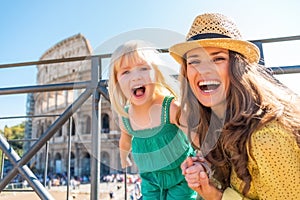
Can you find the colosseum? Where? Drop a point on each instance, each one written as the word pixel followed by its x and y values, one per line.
pixel 51 104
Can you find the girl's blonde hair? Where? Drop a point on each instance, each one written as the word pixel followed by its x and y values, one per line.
pixel 135 51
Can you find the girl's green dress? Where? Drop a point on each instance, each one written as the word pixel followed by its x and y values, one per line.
pixel 158 153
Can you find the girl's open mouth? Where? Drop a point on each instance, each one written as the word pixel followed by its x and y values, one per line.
pixel 139 91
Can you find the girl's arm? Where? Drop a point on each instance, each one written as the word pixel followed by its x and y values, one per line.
pixel 125 147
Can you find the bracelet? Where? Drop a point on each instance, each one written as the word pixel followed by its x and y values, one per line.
pixel 209 171
pixel 207 168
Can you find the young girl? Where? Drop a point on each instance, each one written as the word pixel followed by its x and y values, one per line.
pixel 145 103
pixel 253 118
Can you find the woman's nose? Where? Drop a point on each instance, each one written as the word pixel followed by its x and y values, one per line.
pixel 205 66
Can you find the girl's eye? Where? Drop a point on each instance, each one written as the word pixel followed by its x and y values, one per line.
pixel 125 72
pixel 144 68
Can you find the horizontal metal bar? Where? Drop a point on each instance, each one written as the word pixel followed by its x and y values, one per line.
pixel 29 116
pixel 59 60
pixel 16 190
pixel 280 39
pixel 44 88
pixel 52 61
pixel 22 140
pixel 41 62
pixel 286 69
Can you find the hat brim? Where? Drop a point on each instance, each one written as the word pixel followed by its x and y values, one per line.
pixel 249 50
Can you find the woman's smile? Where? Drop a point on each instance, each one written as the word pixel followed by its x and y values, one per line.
pixel 209 86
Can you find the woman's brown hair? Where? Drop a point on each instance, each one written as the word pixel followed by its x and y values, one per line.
pixel 255 97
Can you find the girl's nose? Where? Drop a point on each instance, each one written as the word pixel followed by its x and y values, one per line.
pixel 135 75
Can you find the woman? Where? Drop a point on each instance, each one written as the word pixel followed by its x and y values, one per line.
pixel 245 123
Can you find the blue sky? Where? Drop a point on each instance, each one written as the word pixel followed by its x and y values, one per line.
pixel 31 27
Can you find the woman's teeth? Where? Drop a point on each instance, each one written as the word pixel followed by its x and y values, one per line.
pixel 209 86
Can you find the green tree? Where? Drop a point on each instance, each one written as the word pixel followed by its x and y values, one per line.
pixel 14 133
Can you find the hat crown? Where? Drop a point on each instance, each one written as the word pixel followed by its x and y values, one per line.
pixel 215 30
pixel 214 23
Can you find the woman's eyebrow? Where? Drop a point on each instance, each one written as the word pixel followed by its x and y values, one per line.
pixel 193 56
pixel 211 54
pixel 218 52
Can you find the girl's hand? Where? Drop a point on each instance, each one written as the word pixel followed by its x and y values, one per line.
pixel 198 180
pixel 191 168
pixel 126 163
pixel 189 162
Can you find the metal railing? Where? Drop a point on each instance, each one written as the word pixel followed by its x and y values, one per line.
pixel 96 88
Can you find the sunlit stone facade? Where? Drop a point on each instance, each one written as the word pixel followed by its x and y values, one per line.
pixel 49 105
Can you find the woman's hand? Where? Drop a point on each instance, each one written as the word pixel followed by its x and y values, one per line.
pixel 198 180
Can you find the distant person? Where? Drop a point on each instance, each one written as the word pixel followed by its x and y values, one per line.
pixel 146 105
pixel 25 183
pixel 246 123
pixel 111 195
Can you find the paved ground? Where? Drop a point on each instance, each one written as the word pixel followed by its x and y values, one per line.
pixel 83 193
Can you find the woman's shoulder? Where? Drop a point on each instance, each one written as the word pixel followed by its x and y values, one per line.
pixel 271 128
pixel 272 134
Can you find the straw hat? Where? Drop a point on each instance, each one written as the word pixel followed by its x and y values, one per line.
pixel 215 30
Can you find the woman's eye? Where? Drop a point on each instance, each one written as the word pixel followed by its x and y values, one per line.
pixel 194 62
pixel 218 59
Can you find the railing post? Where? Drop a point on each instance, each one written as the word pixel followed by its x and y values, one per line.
pixel 46 164
pixel 2 166
pixel 69 156
pixel 95 157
